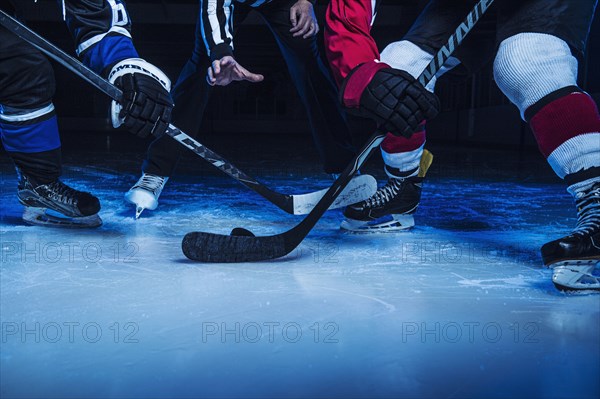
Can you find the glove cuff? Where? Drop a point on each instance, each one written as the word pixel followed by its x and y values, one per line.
pixel 131 66
pixel 357 81
pixel 138 65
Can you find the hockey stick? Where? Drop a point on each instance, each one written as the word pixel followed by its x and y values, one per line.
pixel 361 188
pixel 243 246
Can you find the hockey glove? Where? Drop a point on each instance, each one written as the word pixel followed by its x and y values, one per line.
pixel 147 104
pixel 391 97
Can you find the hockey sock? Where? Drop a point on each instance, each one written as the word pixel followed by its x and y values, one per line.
pixel 567 130
pixel 399 153
pixel 39 167
pixel 530 66
pixel 538 73
pixel 31 139
pixel 403 154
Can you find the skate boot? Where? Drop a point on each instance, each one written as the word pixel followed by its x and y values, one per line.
pixel 56 204
pixel 392 207
pixel 573 258
pixel 144 194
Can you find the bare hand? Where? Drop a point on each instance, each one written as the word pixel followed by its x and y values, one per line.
pixel 227 70
pixel 303 19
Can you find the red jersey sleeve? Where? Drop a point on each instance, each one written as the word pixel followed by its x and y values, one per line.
pixel 348 40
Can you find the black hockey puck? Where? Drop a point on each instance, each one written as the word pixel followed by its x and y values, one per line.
pixel 239 231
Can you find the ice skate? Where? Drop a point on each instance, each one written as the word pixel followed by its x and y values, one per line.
pixel 144 194
pixel 56 204
pixel 392 207
pixel 575 258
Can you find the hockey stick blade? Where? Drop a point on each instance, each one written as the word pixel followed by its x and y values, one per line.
pixel 359 189
pixel 207 247
pixel 286 202
pixel 219 248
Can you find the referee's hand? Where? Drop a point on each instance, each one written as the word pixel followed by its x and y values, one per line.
pixel 303 19
pixel 227 70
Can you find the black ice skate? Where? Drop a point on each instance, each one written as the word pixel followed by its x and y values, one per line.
pixel 575 257
pixel 56 204
pixel 392 207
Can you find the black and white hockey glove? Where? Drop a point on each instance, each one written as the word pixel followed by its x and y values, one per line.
pixel 147 104
pixel 391 97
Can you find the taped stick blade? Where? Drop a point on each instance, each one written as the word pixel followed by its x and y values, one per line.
pixel 218 248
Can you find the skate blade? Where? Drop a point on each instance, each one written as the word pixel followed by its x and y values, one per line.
pixel 41 217
pixel 385 224
pixel 141 199
pixel 576 276
pixel 138 212
pixel 574 262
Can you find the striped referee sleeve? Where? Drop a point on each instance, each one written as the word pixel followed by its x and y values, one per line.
pixel 216 23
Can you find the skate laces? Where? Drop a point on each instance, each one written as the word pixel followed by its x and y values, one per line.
pixel 60 192
pixel 588 208
pixel 152 183
pixel 385 193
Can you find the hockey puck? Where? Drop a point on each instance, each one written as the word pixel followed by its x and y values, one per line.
pixel 239 231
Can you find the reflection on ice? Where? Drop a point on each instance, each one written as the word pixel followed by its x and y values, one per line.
pixel 457 307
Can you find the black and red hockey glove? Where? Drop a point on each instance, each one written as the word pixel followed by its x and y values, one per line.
pixel 391 97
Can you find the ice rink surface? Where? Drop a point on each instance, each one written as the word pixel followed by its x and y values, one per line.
pixel 457 307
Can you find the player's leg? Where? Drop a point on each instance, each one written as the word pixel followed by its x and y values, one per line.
pixel 536 68
pixel 315 86
pixel 406 162
pixel 191 94
pixel 30 137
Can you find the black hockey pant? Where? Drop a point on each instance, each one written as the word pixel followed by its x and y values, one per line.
pixel 28 126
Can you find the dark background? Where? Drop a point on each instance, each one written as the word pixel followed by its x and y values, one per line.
pixel 475 113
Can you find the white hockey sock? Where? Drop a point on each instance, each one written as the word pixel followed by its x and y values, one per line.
pixel 404 161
